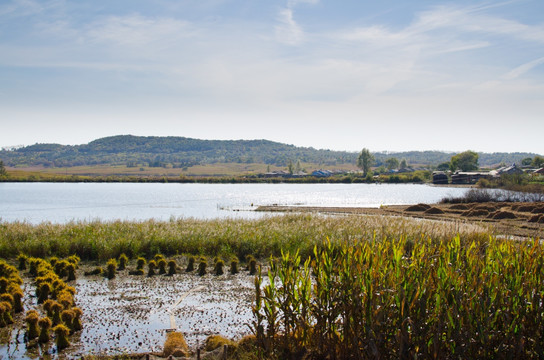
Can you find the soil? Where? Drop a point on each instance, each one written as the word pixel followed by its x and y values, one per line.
pixel 510 219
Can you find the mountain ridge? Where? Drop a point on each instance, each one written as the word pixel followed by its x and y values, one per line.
pixel 177 151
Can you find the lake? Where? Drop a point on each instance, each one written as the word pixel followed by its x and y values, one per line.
pixel 64 202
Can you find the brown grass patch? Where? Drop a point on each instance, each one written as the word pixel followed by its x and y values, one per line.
pixel 215 341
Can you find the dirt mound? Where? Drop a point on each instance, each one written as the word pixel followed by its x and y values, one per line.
pixel 459 207
pixel 487 207
pixel 525 208
pixel 470 213
pixel 538 210
pixel 418 207
pixel 498 215
pixel 434 210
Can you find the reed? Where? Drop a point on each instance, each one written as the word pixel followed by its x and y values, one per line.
pixel 393 298
pixel 225 237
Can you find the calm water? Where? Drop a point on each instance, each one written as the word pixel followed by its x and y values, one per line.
pixel 63 202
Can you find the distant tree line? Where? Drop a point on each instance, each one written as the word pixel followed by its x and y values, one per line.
pixel 181 152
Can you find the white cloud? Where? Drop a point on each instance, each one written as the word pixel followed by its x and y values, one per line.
pixel 137 30
pixel 288 31
pixel 522 69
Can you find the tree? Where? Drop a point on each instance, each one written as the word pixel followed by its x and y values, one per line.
pixel 526 162
pixel 403 164
pixel 3 171
pixel 392 163
pixel 465 161
pixel 538 161
pixel 365 160
pixel 443 166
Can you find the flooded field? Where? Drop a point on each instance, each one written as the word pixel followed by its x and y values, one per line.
pixel 131 314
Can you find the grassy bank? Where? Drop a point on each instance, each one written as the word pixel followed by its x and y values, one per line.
pixel 260 238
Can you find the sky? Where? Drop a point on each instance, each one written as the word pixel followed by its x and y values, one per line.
pixel 390 75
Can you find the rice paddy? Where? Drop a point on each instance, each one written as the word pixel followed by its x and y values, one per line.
pixel 337 287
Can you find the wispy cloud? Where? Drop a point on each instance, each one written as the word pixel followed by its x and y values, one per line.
pixel 522 69
pixel 288 31
pixel 137 30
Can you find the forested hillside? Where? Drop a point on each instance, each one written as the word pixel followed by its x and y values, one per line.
pixel 176 151
pixel 185 152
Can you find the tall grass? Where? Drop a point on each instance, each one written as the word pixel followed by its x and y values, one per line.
pixel 260 238
pixel 394 298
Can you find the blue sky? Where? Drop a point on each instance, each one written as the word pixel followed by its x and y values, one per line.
pixel 387 75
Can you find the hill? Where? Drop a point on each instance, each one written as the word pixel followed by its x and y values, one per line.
pixel 180 152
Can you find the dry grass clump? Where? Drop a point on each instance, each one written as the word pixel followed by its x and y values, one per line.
pixel 215 341
pixel 11 295
pixel 175 345
pixel 57 298
pixel 191 264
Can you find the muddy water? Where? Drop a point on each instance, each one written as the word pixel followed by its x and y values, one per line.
pixel 132 313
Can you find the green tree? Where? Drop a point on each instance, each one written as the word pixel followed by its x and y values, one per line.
pixel 465 161
pixel 443 166
pixel 538 161
pixel 403 164
pixel 290 167
pixel 3 171
pixel 526 161
pixel 365 160
pixel 392 163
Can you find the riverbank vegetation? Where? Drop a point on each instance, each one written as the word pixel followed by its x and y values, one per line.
pixel 399 299
pixel 260 238
pixel 344 287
